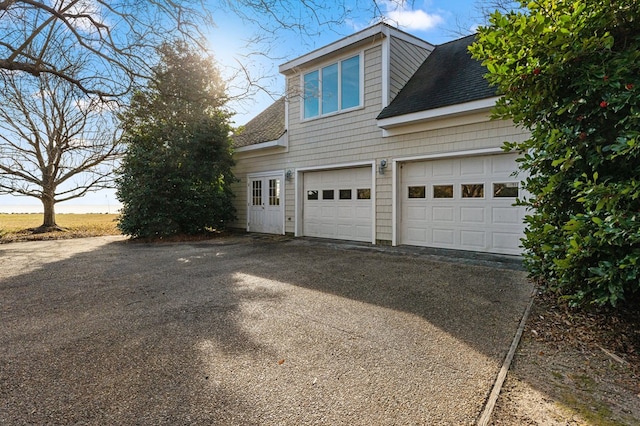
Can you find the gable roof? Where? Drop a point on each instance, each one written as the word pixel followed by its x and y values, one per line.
pixel 364 37
pixel 267 126
pixel 448 76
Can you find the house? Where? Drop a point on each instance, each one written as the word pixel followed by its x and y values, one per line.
pixel 383 138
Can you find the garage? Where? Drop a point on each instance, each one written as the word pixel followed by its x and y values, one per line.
pixel 338 204
pixel 461 203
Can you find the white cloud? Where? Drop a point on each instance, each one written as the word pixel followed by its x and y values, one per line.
pixel 405 17
pixel 84 13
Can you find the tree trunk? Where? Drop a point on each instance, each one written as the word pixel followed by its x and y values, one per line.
pixel 49 221
pixel 49 213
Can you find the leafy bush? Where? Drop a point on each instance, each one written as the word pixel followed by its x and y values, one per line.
pixel 569 72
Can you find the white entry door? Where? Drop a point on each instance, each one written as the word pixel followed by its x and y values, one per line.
pixel 265 204
pixel 462 203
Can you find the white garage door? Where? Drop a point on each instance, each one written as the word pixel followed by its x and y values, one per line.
pixel 462 203
pixel 338 204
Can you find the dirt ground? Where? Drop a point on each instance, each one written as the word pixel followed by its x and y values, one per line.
pixel 573 368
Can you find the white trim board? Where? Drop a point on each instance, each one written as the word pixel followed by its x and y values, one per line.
pixel 437 113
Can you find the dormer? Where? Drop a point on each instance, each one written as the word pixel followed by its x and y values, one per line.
pixel 331 80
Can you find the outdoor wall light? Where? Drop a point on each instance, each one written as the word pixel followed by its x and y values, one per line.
pixel 289 174
pixel 383 165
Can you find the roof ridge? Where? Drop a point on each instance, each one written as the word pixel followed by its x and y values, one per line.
pixel 457 39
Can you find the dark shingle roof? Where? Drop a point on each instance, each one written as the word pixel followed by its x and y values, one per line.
pixel 448 76
pixel 265 127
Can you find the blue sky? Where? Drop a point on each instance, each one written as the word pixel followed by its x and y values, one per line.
pixel 436 21
pixel 233 44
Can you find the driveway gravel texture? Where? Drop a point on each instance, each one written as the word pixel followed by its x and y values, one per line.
pixel 243 330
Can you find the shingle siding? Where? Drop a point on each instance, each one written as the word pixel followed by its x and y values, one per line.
pixel 404 59
pixel 355 137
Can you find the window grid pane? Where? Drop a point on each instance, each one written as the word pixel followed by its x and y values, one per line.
pixel 472 190
pixel 350 80
pixel 442 191
pixel 312 194
pixel 311 94
pixel 327 194
pixel 345 194
pixel 364 193
pixel 505 190
pixel 256 193
pixel 417 192
pixel 330 89
pixel 274 192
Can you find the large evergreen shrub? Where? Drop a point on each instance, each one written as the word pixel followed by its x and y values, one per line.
pixel 176 174
pixel 569 71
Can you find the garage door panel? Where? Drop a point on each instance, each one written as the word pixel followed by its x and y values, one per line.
pixel 506 241
pixel 419 171
pixel 472 167
pixel 506 216
pixel 443 236
pixel 416 213
pixel 364 213
pixel 443 214
pixel 472 214
pixel 502 165
pixel 345 212
pixel 327 229
pixel 418 235
pixel 312 211
pixel 440 170
pixel 327 211
pixel 345 229
pixel 344 216
pixel 363 232
pixel 472 239
pixel 489 223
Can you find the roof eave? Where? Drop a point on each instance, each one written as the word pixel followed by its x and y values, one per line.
pixel 438 113
pixel 375 32
pixel 281 142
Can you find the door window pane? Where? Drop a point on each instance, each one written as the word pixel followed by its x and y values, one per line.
pixel 330 89
pixel 417 191
pixel 274 192
pixel 472 190
pixel 505 190
pixel 327 194
pixel 311 94
pixel 350 82
pixel 345 194
pixel 256 192
pixel 312 194
pixel 364 194
pixel 442 191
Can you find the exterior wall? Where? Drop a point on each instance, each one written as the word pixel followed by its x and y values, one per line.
pixel 354 137
pixel 404 60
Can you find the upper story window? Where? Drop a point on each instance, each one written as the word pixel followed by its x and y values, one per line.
pixel 333 88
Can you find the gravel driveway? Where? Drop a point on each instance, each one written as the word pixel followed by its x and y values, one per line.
pixel 248 331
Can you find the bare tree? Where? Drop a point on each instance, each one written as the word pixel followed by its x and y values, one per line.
pixel 116 38
pixel 56 143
